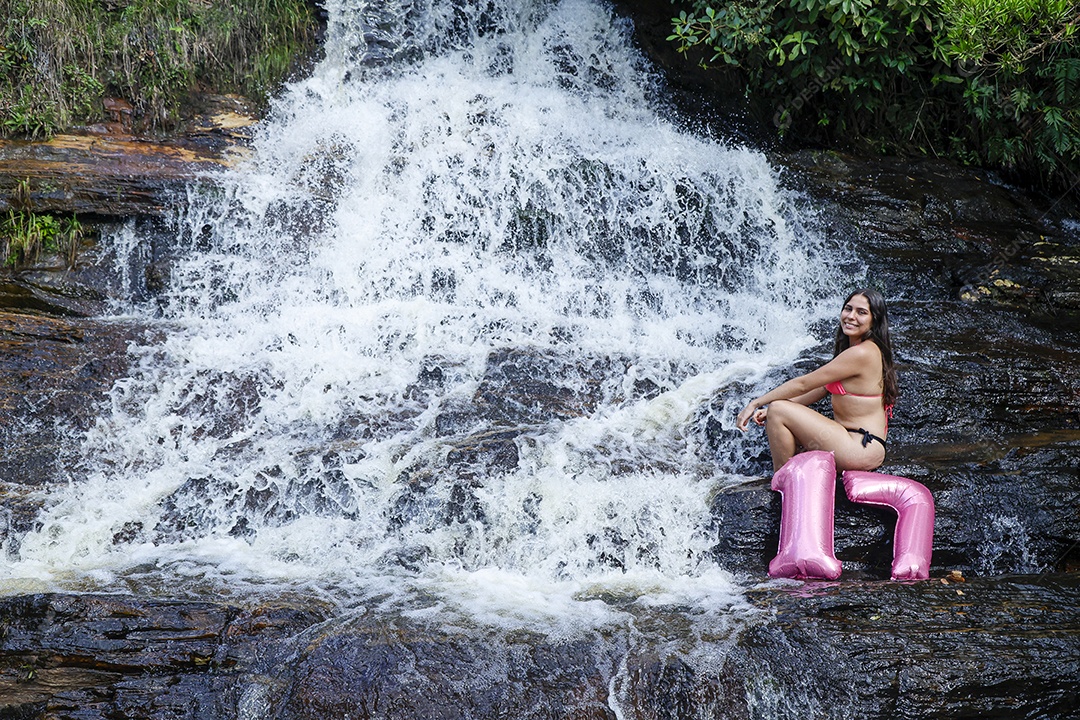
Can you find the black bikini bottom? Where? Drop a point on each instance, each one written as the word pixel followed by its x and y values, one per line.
pixel 868 437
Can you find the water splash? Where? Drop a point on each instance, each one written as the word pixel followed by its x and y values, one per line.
pixel 1007 547
pixel 446 333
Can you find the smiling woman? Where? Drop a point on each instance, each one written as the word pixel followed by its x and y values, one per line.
pixel 862 382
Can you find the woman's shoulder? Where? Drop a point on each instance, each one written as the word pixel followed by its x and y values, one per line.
pixel 865 351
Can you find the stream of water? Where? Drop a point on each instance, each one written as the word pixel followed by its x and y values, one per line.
pixel 475 228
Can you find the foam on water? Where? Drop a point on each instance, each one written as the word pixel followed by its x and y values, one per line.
pixel 453 182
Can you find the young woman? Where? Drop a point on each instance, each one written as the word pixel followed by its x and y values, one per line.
pixel 862 382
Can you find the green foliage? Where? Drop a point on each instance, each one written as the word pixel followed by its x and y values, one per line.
pixel 996 82
pixel 1021 63
pixel 28 114
pixel 1008 34
pixel 60 58
pixel 26 234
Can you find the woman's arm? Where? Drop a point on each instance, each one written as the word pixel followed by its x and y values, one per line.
pixel 847 364
pixel 811 397
pixel 805 399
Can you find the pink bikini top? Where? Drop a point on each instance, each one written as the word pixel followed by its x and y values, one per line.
pixel 837 388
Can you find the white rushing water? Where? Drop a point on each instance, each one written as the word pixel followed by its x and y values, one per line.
pixel 450 333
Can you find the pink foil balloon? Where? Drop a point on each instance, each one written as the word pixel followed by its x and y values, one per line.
pixel 914 538
pixel 807 484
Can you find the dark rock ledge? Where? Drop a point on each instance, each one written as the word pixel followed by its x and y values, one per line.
pixel 83 656
pixel 119 175
pixel 1004 647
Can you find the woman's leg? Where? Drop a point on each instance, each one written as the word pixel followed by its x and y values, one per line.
pixel 791 425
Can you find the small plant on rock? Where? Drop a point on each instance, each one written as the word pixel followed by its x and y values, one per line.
pixel 26 234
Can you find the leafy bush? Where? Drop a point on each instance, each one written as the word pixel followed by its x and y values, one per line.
pixel 24 234
pixel 993 82
pixel 60 58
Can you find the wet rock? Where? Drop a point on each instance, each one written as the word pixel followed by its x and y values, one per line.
pixel 444 492
pixel 746 525
pixel 118 636
pixel 54 373
pixel 103 176
pixel 825 650
pixel 529 387
pixel 874 650
pixel 49 296
pixel 522 387
pixel 98 656
pixel 922 665
pixel 107 173
pixel 120 112
pixel 483 453
pixel 952 233
pixel 391 667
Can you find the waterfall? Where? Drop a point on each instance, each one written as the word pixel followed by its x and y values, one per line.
pixel 446 337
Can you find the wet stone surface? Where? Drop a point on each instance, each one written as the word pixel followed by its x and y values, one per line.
pixel 55 373
pixel 922 650
pixel 948 233
pixel 985 647
pixel 113 174
pixel 82 656
pixel 391 667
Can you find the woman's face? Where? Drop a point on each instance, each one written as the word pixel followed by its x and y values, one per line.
pixel 855 317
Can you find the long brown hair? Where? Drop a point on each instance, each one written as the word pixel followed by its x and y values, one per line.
pixel 879 333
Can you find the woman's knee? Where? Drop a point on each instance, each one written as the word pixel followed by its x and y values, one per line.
pixel 780 411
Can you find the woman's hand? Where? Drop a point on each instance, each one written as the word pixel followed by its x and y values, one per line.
pixel 751 412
